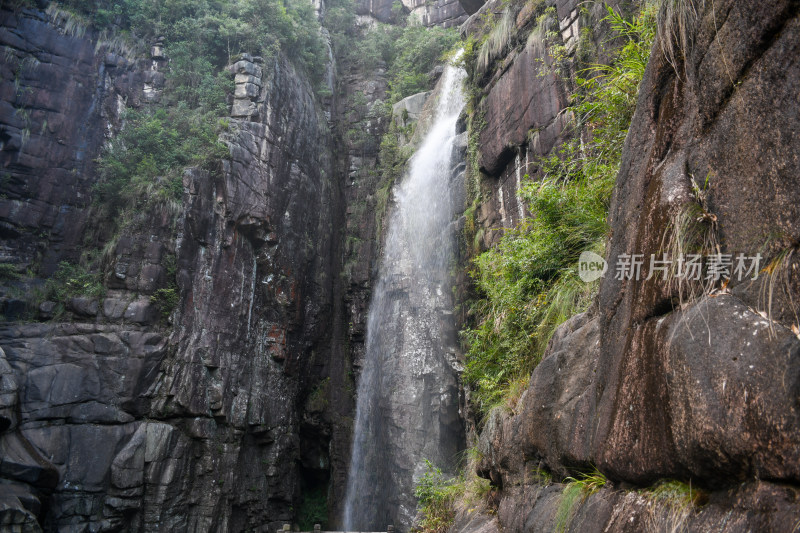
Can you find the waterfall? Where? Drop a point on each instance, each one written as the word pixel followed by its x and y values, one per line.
pixel 408 396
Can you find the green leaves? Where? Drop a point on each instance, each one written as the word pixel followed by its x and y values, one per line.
pixel 215 31
pixel 145 162
pixel 436 494
pixel 408 52
pixel 72 280
pixel 417 49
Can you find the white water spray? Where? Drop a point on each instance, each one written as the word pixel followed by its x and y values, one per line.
pixel 407 405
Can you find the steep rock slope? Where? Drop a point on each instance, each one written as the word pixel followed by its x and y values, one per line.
pixel 653 382
pixel 111 421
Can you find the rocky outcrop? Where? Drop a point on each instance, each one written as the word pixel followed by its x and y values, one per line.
pixel 755 506
pixel 253 263
pixel 654 382
pixel 444 13
pixel 690 124
pixel 524 115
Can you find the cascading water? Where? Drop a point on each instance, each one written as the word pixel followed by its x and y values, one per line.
pixel 408 395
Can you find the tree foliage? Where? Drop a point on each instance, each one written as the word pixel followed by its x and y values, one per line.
pixel 144 163
pixel 217 30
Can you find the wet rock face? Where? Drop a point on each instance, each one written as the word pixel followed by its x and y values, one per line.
pixel 409 396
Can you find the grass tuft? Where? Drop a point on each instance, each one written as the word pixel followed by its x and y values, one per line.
pixel 497 43
pixel 778 272
pixel 671 503
pixel 575 492
pixel 676 21
pixel 68 23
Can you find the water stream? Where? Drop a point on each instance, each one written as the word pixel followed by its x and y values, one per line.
pixel 408 395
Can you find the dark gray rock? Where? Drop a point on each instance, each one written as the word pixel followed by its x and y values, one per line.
pixel 471 7
pixel 681 129
pixel 86 307
pixel 19 507
pixel 733 386
pixel 445 13
pixel 141 311
pixel 541 508
pixel 47 310
pixel 408 110
pixel 114 308
pixel 54 91
pixel 8 395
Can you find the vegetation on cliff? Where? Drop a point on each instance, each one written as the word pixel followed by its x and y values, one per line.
pixel 406 50
pixel 206 33
pixel 528 284
pixel 140 169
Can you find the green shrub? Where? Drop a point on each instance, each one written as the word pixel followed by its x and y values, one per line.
pixel 217 31
pixel 144 164
pixel 317 401
pixel 166 300
pixel 71 280
pixel 528 284
pixel 408 52
pixel 313 509
pixel 9 272
pixel 437 495
pixel 417 50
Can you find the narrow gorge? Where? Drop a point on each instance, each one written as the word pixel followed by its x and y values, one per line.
pixel 446 266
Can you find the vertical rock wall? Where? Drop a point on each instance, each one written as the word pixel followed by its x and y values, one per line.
pixel 109 419
pixel 649 384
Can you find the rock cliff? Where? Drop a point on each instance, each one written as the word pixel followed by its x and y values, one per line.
pixel 445 13
pixel 232 411
pixel 112 418
pixel 653 382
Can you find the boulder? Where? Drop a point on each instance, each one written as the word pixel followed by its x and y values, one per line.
pixel 47 310
pixel 409 109
pixel 141 311
pixel 83 306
